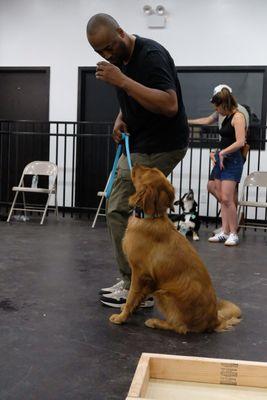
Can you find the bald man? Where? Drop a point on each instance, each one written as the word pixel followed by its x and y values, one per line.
pixel 151 111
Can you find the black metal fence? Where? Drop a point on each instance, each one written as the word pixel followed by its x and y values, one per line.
pixel 84 153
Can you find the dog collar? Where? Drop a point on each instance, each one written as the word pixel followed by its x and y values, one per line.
pixel 139 213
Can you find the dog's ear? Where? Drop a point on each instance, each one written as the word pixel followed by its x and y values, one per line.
pixel 135 168
pixel 150 200
pixel 194 208
pixel 166 199
pixel 180 202
pixel 172 208
pixel 182 198
pixel 136 200
pixel 164 202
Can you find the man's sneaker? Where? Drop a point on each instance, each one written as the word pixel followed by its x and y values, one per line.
pixel 220 237
pixel 232 240
pixel 118 286
pixel 117 298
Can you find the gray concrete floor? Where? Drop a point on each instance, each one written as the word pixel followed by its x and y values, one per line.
pixel 55 338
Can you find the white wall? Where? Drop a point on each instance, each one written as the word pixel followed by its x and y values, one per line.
pixel 198 32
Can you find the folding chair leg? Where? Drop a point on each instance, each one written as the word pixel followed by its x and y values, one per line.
pixel 45 210
pixel 240 218
pixel 13 205
pixel 56 205
pixel 24 204
pixel 238 212
pixel 98 211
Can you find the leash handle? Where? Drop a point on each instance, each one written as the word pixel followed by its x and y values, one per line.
pixel 124 137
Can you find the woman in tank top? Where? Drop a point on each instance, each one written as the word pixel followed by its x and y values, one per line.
pixel 228 163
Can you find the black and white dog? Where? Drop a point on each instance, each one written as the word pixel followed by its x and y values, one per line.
pixel 188 221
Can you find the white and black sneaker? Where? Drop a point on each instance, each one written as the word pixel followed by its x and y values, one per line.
pixel 117 298
pixel 232 240
pixel 118 286
pixel 220 237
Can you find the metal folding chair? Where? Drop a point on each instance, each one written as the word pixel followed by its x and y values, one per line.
pixel 257 180
pixel 45 168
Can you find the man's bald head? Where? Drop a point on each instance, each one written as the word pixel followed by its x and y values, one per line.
pixel 108 39
pixel 99 21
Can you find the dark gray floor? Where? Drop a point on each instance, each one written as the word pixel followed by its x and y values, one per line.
pixel 55 338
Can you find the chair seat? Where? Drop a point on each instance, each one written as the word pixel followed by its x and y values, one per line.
pixel 30 189
pixel 252 204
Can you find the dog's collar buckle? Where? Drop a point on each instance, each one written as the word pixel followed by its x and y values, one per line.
pixel 138 212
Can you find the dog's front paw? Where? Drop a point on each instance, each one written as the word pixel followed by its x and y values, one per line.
pixel 195 237
pixel 116 319
pixel 150 323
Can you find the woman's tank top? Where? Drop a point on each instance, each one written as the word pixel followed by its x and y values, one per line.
pixel 227 132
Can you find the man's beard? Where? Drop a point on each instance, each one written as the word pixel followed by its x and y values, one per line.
pixel 122 56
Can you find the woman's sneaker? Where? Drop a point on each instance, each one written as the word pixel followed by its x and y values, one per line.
pixel 118 286
pixel 232 240
pixel 220 237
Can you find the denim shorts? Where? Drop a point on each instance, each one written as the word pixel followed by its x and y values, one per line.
pixel 233 167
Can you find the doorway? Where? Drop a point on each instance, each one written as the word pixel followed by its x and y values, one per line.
pixel 24 115
pixel 98 105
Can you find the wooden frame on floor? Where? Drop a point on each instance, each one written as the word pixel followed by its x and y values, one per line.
pixel 168 377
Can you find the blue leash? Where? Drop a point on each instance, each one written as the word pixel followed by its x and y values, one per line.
pixel 124 137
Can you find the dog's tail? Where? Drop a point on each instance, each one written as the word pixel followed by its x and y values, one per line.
pixel 229 314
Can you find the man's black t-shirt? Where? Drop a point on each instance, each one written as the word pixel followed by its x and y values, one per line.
pixel 152 66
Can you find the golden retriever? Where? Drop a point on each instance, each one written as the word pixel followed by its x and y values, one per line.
pixel 166 265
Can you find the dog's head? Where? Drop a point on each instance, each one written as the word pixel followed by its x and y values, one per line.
pixel 187 202
pixel 154 193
